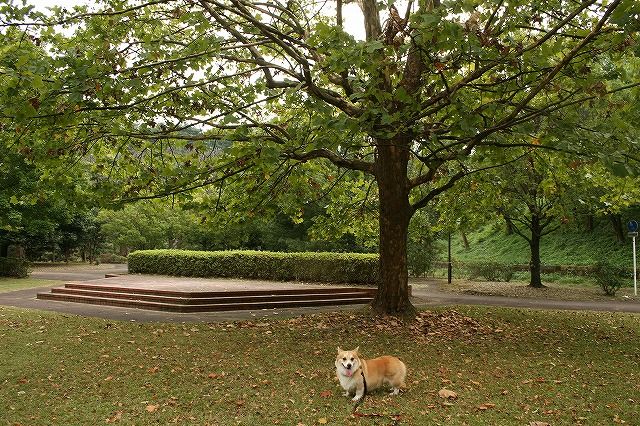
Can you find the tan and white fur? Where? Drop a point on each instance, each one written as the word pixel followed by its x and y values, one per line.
pixel 383 371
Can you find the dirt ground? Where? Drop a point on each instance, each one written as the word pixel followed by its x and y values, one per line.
pixel 550 291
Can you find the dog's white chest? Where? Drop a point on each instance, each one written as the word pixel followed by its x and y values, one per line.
pixel 347 383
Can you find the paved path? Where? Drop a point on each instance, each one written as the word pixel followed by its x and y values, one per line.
pixel 77 272
pixel 429 294
pixel 424 294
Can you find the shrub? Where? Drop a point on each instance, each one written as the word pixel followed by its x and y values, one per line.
pixel 490 271
pixel 111 258
pixel 319 267
pixel 608 277
pixel 14 267
pixel 421 256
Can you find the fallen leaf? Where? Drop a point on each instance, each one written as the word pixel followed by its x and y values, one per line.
pixel 151 408
pixel 117 416
pixel 322 420
pixel 326 393
pixel 486 406
pixel 447 394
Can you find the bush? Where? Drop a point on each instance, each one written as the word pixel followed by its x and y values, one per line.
pixel 608 277
pixel 421 257
pixel 490 271
pixel 111 258
pixel 14 267
pixel 319 267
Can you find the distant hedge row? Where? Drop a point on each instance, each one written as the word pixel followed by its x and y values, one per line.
pixel 354 268
pixel 14 267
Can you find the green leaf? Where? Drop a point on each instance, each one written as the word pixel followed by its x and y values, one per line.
pixel 36 82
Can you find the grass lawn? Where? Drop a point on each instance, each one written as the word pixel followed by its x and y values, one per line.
pixel 13 284
pixel 506 366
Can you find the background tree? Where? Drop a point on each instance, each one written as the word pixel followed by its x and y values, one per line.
pixel 531 201
pixel 427 89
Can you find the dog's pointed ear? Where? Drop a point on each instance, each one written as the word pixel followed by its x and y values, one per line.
pixel 339 350
pixel 356 350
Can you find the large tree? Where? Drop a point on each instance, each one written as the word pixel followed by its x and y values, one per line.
pixel 429 87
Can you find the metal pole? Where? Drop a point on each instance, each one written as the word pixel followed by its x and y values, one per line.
pixel 449 265
pixel 635 281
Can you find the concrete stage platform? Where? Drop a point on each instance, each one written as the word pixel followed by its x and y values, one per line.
pixel 183 294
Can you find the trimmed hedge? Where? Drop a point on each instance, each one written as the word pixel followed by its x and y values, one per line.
pixel 353 268
pixel 14 267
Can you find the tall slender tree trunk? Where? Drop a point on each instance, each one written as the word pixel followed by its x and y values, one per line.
pixel 616 222
pixel 465 240
pixel 589 223
pixel 395 213
pixel 509 227
pixel 534 244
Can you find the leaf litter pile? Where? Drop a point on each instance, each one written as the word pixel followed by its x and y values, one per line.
pixel 466 366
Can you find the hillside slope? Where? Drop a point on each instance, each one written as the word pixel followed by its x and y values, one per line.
pixel 566 246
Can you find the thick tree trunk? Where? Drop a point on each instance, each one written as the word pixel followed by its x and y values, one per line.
pixel 534 244
pixel 395 214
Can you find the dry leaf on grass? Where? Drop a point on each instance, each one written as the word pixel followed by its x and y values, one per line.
pixel 117 416
pixel 486 406
pixel 151 408
pixel 448 325
pixel 447 394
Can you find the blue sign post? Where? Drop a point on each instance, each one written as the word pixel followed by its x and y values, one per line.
pixel 632 226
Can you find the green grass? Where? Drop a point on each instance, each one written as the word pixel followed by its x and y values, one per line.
pixel 567 246
pixel 12 284
pixel 507 366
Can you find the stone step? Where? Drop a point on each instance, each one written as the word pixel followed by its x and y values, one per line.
pixel 214 297
pixel 208 294
pixel 207 307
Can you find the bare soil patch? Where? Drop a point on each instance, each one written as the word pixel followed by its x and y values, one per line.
pixel 550 291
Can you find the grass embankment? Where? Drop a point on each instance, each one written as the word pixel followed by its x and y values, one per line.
pixel 566 246
pixel 507 367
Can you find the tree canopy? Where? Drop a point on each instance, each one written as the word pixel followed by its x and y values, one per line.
pixel 437 90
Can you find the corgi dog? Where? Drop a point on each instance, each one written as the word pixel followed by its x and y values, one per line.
pixel 358 375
